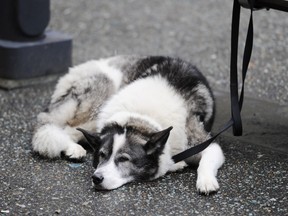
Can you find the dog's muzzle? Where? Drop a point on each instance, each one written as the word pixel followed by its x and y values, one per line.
pixel 97 178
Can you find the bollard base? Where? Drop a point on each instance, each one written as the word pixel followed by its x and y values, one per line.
pixel 28 60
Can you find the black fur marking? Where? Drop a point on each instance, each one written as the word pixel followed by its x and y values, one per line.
pixel 141 165
pixel 106 147
pixel 182 75
pixel 62 97
pixel 157 141
pixel 84 143
pixel 147 63
pixel 46 110
pixel 201 116
pixel 87 90
pixel 145 158
pixel 112 128
pixel 92 138
pixel 69 93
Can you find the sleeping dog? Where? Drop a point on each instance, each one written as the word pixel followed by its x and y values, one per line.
pixel 136 113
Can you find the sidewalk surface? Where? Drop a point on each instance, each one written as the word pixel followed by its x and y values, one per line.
pixel 253 180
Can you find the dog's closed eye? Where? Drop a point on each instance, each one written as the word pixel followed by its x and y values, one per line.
pixel 123 158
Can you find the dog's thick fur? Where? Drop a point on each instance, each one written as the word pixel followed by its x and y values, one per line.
pixel 125 106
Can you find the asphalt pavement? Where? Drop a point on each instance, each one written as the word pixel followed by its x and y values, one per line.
pixel 253 180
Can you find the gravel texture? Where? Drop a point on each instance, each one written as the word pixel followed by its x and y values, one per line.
pixel 253 181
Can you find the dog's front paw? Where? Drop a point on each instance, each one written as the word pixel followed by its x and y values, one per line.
pixel 178 166
pixel 75 151
pixel 207 184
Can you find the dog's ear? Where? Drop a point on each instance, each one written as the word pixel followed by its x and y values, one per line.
pixel 157 141
pixel 93 139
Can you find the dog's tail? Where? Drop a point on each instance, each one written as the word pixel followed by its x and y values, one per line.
pixel 50 140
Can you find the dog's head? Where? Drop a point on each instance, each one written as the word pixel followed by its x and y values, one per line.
pixel 125 154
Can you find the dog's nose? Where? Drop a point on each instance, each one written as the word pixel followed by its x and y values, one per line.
pixel 97 178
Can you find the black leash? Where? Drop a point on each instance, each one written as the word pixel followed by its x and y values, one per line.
pixel 236 102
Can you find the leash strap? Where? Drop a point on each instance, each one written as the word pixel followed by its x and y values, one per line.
pixel 236 102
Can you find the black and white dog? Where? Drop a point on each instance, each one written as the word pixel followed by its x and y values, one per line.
pixel 136 113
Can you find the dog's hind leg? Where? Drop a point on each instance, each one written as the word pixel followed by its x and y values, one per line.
pixel 55 133
pixel 75 103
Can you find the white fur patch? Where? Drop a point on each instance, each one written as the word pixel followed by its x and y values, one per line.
pixel 160 102
pixel 119 141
